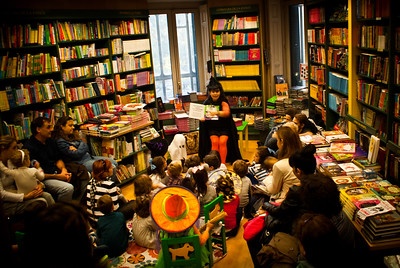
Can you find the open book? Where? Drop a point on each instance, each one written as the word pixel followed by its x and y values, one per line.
pixel 203 112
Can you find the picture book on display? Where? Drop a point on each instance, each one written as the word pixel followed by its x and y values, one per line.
pixel 331 132
pixel 363 202
pixel 350 168
pixel 385 220
pixel 342 147
pixel 331 169
pixel 343 181
pixel 364 163
pixel 387 191
pixel 317 140
pixel 338 138
pixel 324 157
pixel 373 149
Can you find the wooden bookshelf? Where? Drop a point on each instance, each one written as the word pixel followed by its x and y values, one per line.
pixel 237 58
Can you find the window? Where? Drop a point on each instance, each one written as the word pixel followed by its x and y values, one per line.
pixel 174 51
pixel 297 43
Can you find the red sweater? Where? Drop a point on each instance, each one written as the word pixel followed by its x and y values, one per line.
pixel 231 209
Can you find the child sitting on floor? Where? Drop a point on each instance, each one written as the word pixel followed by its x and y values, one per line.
pixel 242 187
pixel 231 203
pixel 174 172
pixel 144 229
pixel 112 233
pixel 157 171
pixel 175 211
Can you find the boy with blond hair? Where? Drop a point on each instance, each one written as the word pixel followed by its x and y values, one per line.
pixel 174 172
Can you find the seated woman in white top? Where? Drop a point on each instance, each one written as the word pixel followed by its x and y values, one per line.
pixel 282 177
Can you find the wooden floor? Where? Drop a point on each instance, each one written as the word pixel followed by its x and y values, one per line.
pixel 238 254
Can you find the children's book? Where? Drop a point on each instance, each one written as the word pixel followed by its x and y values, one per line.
pixel 340 157
pixel 344 181
pixel 350 168
pixel 331 169
pixel 385 220
pixel 203 112
pixel 323 158
pixel 387 191
pixel 331 132
pixel 343 147
pixel 317 140
pixel 337 138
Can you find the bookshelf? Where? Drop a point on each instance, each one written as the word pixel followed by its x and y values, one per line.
pixel 83 64
pixel 327 43
pixel 374 76
pixel 237 58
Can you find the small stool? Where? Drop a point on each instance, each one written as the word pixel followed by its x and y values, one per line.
pixel 245 129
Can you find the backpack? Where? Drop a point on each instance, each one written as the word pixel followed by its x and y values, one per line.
pixel 282 251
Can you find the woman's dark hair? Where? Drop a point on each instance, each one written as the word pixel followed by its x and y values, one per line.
pixel 320 194
pixel 304 160
pixel 58 131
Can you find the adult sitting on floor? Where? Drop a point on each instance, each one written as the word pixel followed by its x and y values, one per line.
pixel 64 181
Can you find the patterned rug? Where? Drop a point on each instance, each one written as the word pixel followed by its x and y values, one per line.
pixel 140 257
pixel 135 256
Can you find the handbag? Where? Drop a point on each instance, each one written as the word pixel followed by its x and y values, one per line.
pixel 192 142
pixel 282 251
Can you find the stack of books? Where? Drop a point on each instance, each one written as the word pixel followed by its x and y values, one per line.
pixel 363 163
pixel 359 202
pixel 317 140
pixel 382 227
pixel 170 129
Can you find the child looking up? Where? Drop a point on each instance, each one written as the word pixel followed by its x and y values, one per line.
pixel 112 233
pixel 26 178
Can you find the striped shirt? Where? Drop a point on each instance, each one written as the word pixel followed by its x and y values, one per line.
pixel 94 191
pixel 258 172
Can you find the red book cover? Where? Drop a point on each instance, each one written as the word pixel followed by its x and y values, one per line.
pixel 254 54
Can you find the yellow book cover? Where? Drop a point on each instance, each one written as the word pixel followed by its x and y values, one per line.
pixel 282 91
